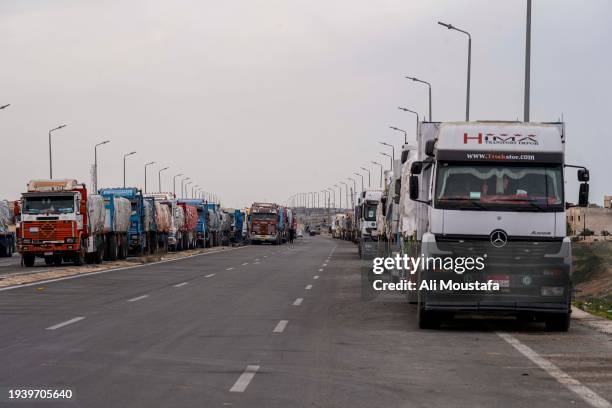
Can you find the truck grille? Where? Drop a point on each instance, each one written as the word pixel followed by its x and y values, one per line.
pixel 48 230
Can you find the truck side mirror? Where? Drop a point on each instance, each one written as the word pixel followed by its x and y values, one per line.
pixel 583 195
pixel 405 156
pixel 416 167
pixel 430 146
pixel 413 186
pixel 398 186
pixel 583 175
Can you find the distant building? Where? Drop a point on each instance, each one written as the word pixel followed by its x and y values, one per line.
pixel 597 219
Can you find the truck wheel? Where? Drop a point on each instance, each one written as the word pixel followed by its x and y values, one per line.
pixel 110 253
pixel 28 260
pixel 79 257
pixel 428 320
pixel 558 323
pixel 57 260
pixel 99 254
pixel 49 260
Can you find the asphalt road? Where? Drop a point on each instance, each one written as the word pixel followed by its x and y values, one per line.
pixel 267 326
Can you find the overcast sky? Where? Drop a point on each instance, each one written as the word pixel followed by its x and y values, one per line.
pixel 258 100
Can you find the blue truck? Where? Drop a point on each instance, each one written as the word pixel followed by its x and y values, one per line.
pixel 142 237
pixel 204 239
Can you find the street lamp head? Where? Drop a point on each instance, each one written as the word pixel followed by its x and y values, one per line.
pixel 149 163
pixel 5 106
pixel 178 175
pixel 449 26
pixel 61 126
pixel 363 168
pixel 165 168
pixel 129 154
pixel 376 163
pixel 105 142
pixel 385 154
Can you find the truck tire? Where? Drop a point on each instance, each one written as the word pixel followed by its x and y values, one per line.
pixel 428 320
pixel 28 260
pixel 558 322
pixel 111 249
pixel 49 260
pixel 57 260
pixel 79 257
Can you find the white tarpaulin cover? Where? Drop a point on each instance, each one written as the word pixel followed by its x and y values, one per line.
pixel 149 217
pixel 123 210
pixel 162 217
pixel 408 213
pixel 96 213
pixel 6 215
pixel 179 218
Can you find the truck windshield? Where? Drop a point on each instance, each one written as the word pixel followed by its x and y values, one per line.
pixel 482 187
pixel 48 204
pixel 369 213
pixel 264 216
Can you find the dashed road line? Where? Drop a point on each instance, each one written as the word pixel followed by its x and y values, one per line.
pixel 229 269
pixel 308 287
pixel 245 379
pixel 136 299
pixel 320 270
pixel 245 263
pixel 66 323
pixel 178 285
pixel 587 394
pixel 210 275
pixel 280 327
pixel 298 301
pixel 315 277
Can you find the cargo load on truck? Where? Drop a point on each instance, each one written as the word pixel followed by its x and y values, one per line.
pixel 7 220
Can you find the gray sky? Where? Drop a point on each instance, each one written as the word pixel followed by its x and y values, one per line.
pixel 261 99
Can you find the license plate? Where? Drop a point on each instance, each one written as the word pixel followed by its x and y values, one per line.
pixel 502 280
pixel 48 253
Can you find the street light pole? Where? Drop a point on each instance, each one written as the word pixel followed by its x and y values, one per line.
pixel 354 191
pixel 429 85
pixel 146 164
pixel 186 187
pixel 339 196
pixel 360 175
pixel 50 155
pixel 183 184
pixel 527 63
pixel 346 194
pixel 381 173
pixel 392 151
pixel 96 164
pixel 417 117
pixel 159 177
pixel 390 159
pixel 401 130
pixel 124 156
pixel 369 177
pixel 467 98
pixel 174 183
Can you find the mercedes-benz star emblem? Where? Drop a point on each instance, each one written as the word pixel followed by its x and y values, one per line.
pixel 498 238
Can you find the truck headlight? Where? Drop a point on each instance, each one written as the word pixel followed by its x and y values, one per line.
pixel 26 241
pixel 33 229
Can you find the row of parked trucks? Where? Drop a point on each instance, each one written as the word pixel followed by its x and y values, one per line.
pixel 59 221
pixel 492 189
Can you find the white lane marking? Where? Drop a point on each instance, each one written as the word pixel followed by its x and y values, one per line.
pixel 308 287
pixel 245 378
pixel 83 275
pixel 280 327
pixel 136 299
pixel 587 394
pixel 178 285
pixel 256 263
pixel 229 269
pixel 298 301
pixel 324 265
pixel 315 277
pixel 320 270
pixel 210 275
pixel 265 256
pixel 66 323
pixel 245 263
pixel 257 260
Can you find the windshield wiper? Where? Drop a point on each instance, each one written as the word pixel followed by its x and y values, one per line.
pixel 532 203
